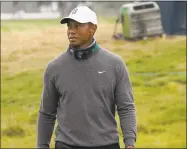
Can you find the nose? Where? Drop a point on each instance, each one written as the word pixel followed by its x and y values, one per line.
pixel 71 31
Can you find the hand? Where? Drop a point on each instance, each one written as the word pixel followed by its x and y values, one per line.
pixel 129 146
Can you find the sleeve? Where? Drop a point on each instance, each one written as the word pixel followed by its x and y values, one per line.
pixel 125 105
pixel 47 111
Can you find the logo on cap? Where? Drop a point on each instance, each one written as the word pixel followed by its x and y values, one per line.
pixel 74 11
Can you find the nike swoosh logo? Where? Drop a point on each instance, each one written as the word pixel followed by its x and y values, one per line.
pixel 101 72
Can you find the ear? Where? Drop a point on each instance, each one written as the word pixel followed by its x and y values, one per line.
pixel 93 29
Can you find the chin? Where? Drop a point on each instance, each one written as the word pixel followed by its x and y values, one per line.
pixel 74 44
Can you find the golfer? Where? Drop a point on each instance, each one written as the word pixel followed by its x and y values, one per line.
pixel 82 88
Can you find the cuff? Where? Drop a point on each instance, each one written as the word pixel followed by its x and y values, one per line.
pixel 130 142
pixel 43 146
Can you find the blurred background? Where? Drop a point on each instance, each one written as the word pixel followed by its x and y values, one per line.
pixel 150 37
pixel 174 13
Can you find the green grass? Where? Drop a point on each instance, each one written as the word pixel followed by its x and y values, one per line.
pixel 157 69
pixel 170 59
pixel 26 25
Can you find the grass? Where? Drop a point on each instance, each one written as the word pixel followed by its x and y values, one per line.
pixel 157 69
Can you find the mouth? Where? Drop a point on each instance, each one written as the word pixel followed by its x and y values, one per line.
pixel 72 39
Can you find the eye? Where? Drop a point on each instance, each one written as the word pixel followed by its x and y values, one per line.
pixel 77 25
pixel 68 25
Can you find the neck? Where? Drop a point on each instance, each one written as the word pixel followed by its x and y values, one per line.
pixel 84 46
pixel 86 51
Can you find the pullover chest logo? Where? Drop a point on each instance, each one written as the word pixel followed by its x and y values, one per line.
pixel 101 72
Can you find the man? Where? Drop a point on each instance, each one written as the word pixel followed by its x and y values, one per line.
pixel 81 88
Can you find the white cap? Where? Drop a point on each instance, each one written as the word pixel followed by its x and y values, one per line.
pixel 81 14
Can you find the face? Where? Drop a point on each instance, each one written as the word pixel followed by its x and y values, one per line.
pixel 79 34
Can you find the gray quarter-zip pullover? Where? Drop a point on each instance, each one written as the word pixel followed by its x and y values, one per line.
pixel 82 96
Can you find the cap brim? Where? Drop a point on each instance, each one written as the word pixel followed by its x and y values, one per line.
pixel 65 20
